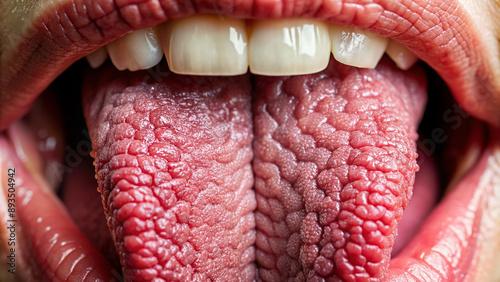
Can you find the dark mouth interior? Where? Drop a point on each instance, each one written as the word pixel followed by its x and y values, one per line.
pixel 68 87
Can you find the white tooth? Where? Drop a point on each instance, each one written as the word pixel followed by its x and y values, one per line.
pixel 135 51
pixel 403 57
pixel 98 57
pixel 357 48
pixel 205 45
pixel 288 47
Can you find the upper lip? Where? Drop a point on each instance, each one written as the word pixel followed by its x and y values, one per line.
pixel 58 36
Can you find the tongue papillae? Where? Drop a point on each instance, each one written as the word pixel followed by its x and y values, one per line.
pixel 215 177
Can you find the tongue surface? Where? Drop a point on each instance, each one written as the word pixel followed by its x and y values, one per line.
pixel 334 162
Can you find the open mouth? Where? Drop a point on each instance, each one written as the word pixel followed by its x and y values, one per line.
pixel 299 168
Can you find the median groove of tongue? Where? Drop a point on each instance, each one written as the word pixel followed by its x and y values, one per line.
pixel 173 165
pixel 334 165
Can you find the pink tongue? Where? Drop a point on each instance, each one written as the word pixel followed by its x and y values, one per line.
pixel 334 165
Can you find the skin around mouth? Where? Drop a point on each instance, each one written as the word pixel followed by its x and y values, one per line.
pixel 281 232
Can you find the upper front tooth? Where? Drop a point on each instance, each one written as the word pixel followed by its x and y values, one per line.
pixel 288 47
pixel 205 45
pixel 357 48
pixel 137 50
pixel 98 57
pixel 403 57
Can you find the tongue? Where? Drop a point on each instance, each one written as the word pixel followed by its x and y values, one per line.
pixel 334 164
